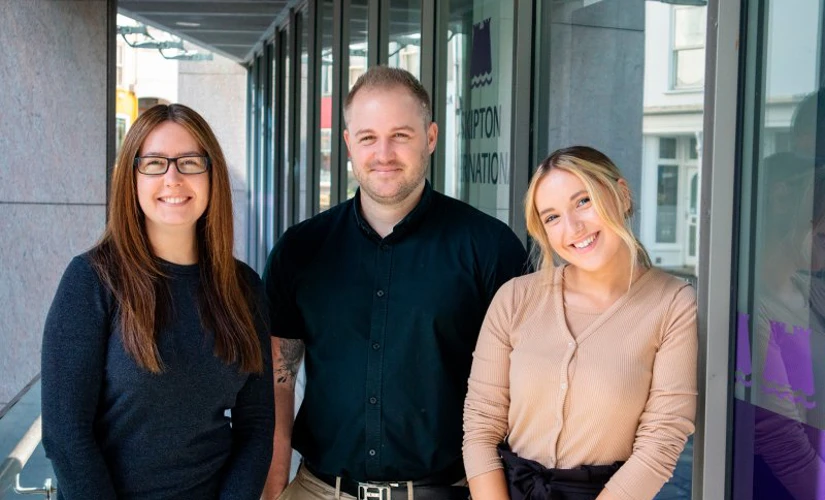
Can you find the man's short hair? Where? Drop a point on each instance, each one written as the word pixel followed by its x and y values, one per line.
pixel 385 78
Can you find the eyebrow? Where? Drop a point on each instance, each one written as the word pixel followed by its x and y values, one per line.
pixel 575 195
pixel 188 153
pixel 405 128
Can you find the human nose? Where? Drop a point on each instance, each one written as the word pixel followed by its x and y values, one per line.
pixel 572 223
pixel 384 151
pixel 172 177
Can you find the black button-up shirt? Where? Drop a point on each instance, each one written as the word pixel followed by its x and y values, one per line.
pixel 389 327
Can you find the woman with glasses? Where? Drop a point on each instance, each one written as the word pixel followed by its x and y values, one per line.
pixel 583 383
pixel 157 331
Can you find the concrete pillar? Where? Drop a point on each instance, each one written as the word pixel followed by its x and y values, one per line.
pixel 595 83
pixel 54 134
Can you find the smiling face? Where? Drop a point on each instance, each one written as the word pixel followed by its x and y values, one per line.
pixel 574 229
pixel 172 201
pixel 389 143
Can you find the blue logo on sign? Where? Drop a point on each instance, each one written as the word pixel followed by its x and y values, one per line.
pixel 481 63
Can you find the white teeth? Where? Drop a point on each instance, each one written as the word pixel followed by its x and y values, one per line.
pixel 173 200
pixel 586 243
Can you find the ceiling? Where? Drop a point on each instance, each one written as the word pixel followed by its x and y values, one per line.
pixel 231 28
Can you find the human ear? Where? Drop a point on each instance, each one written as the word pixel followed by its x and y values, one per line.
pixel 627 199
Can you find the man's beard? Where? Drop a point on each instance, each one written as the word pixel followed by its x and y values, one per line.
pixel 405 188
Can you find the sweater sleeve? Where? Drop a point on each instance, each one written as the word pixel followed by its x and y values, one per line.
pixel 253 419
pixel 488 397
pixel 75 341
pixel 669 413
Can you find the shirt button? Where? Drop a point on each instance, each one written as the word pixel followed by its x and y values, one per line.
pixel 380 293
pixel 373 400
pixel 385 247
pixel 372 453
pixel 376 346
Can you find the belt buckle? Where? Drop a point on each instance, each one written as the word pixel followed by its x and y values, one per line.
pixel 369 491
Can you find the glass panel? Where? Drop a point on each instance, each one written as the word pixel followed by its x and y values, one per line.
pixel 359 19
pixel 286 192
pixel 261 160
pixel 693 151
pixel 604 74
pixel 667 147
pixel 690 68
pixel 405 35
pixel 302 169
pixel 779 372
pixel 666 217
pixel 694 194
pixel 689 27
pixel 326 8
pixel 479 104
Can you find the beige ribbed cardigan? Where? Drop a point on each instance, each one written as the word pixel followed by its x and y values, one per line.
pixel 586 387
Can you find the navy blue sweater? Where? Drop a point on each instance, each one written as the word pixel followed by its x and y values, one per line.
pixel 115 430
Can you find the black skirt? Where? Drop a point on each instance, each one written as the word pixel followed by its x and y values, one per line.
pixel 529 480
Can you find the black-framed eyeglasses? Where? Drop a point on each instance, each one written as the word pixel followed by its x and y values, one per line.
pixel 158 165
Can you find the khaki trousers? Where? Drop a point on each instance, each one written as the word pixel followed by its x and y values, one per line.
pixel 305 486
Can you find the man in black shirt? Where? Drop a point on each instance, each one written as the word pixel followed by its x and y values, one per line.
pixel 385 293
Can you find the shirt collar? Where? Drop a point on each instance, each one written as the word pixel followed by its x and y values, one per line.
pixel 410 221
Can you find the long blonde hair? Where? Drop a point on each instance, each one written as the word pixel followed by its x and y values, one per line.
pixel 613 201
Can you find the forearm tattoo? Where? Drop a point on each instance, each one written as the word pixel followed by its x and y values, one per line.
pixel 286 366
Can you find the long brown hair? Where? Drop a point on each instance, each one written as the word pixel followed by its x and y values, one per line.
pixel 124 261
pixel 612 201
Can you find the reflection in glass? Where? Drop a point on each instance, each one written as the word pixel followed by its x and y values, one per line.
pixel 405 36
pixel 479 105
pixel 326 8
pixel 779 412
pixel 359 18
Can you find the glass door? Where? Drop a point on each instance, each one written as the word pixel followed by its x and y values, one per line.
pixel 779 372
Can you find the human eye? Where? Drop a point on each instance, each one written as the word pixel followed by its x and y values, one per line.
pixel 152 165
pixel 192 164
pixel 402 136
pixel 550 218
pixel 583 201
pixel 366 139
pixel 189 161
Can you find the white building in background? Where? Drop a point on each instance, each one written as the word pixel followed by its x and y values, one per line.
pixel 672 124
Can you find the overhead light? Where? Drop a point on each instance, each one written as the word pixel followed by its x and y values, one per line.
pixel 187 24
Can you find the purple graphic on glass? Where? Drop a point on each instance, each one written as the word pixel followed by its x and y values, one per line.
pixel 743 352
pixel 788 370
pixel 481 62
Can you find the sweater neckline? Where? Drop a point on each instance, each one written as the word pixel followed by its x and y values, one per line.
pixel 179 269
pixel 605 315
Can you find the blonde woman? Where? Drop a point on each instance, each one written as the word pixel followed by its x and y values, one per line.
pixel 583 384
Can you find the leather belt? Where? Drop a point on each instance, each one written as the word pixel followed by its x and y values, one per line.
pixel 437 487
